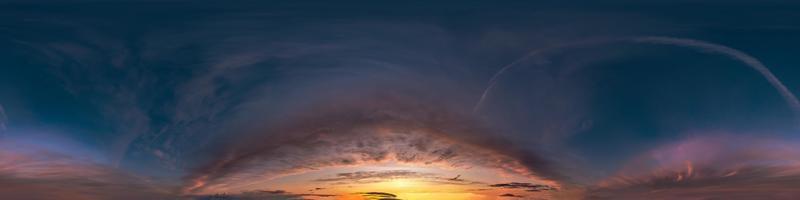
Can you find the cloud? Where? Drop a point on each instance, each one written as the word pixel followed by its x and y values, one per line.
pixel 375 176
pixel 738 55
pixel 748 60
pixel 714 166
pixel 244 95
pixel 220 98
pixel 379 196
pixel 530 187
pixel 176 91
pixel 511 195
pixel 744 183
pixel 372 131
pixel 361 177
pixel 35 173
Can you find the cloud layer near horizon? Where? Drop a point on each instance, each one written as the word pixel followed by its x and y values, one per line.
pixel 712 166
pixel 35 173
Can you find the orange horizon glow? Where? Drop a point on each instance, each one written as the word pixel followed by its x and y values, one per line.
pixel 433 183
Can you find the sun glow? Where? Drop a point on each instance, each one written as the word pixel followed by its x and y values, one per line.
pixel 401 183
pixel 398 181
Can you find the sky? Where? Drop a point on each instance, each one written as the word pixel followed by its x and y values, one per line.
pixel 369 100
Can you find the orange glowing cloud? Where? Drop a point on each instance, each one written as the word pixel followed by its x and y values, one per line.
pixel 365 147
pixel 355 137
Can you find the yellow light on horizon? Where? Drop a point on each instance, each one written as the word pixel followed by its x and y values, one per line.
pixel 421 182
pixel 401 183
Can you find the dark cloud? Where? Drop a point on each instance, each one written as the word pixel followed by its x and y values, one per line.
pixel 379 196
pixel 511 195
pixel 530 187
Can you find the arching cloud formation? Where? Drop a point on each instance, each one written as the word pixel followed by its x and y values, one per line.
pixel 374 131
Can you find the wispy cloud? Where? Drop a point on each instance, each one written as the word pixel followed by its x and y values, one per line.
pixel 738 55
pixel 529 187
pixel 379 196
pixel 709 167
pixel 375 176
pixel 511 195
pixel 31 173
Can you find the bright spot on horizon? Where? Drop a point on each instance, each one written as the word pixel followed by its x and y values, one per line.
pixel 404 181
pixel 401 183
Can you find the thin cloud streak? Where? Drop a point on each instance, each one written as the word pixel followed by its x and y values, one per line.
pixel 743 57
pixel 748 60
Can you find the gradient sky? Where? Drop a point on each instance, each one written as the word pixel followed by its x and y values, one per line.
pixel 202 100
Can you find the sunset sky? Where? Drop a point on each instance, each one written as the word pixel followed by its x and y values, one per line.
pixel 374 100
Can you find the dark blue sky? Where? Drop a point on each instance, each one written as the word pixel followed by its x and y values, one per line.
pixel 176 90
